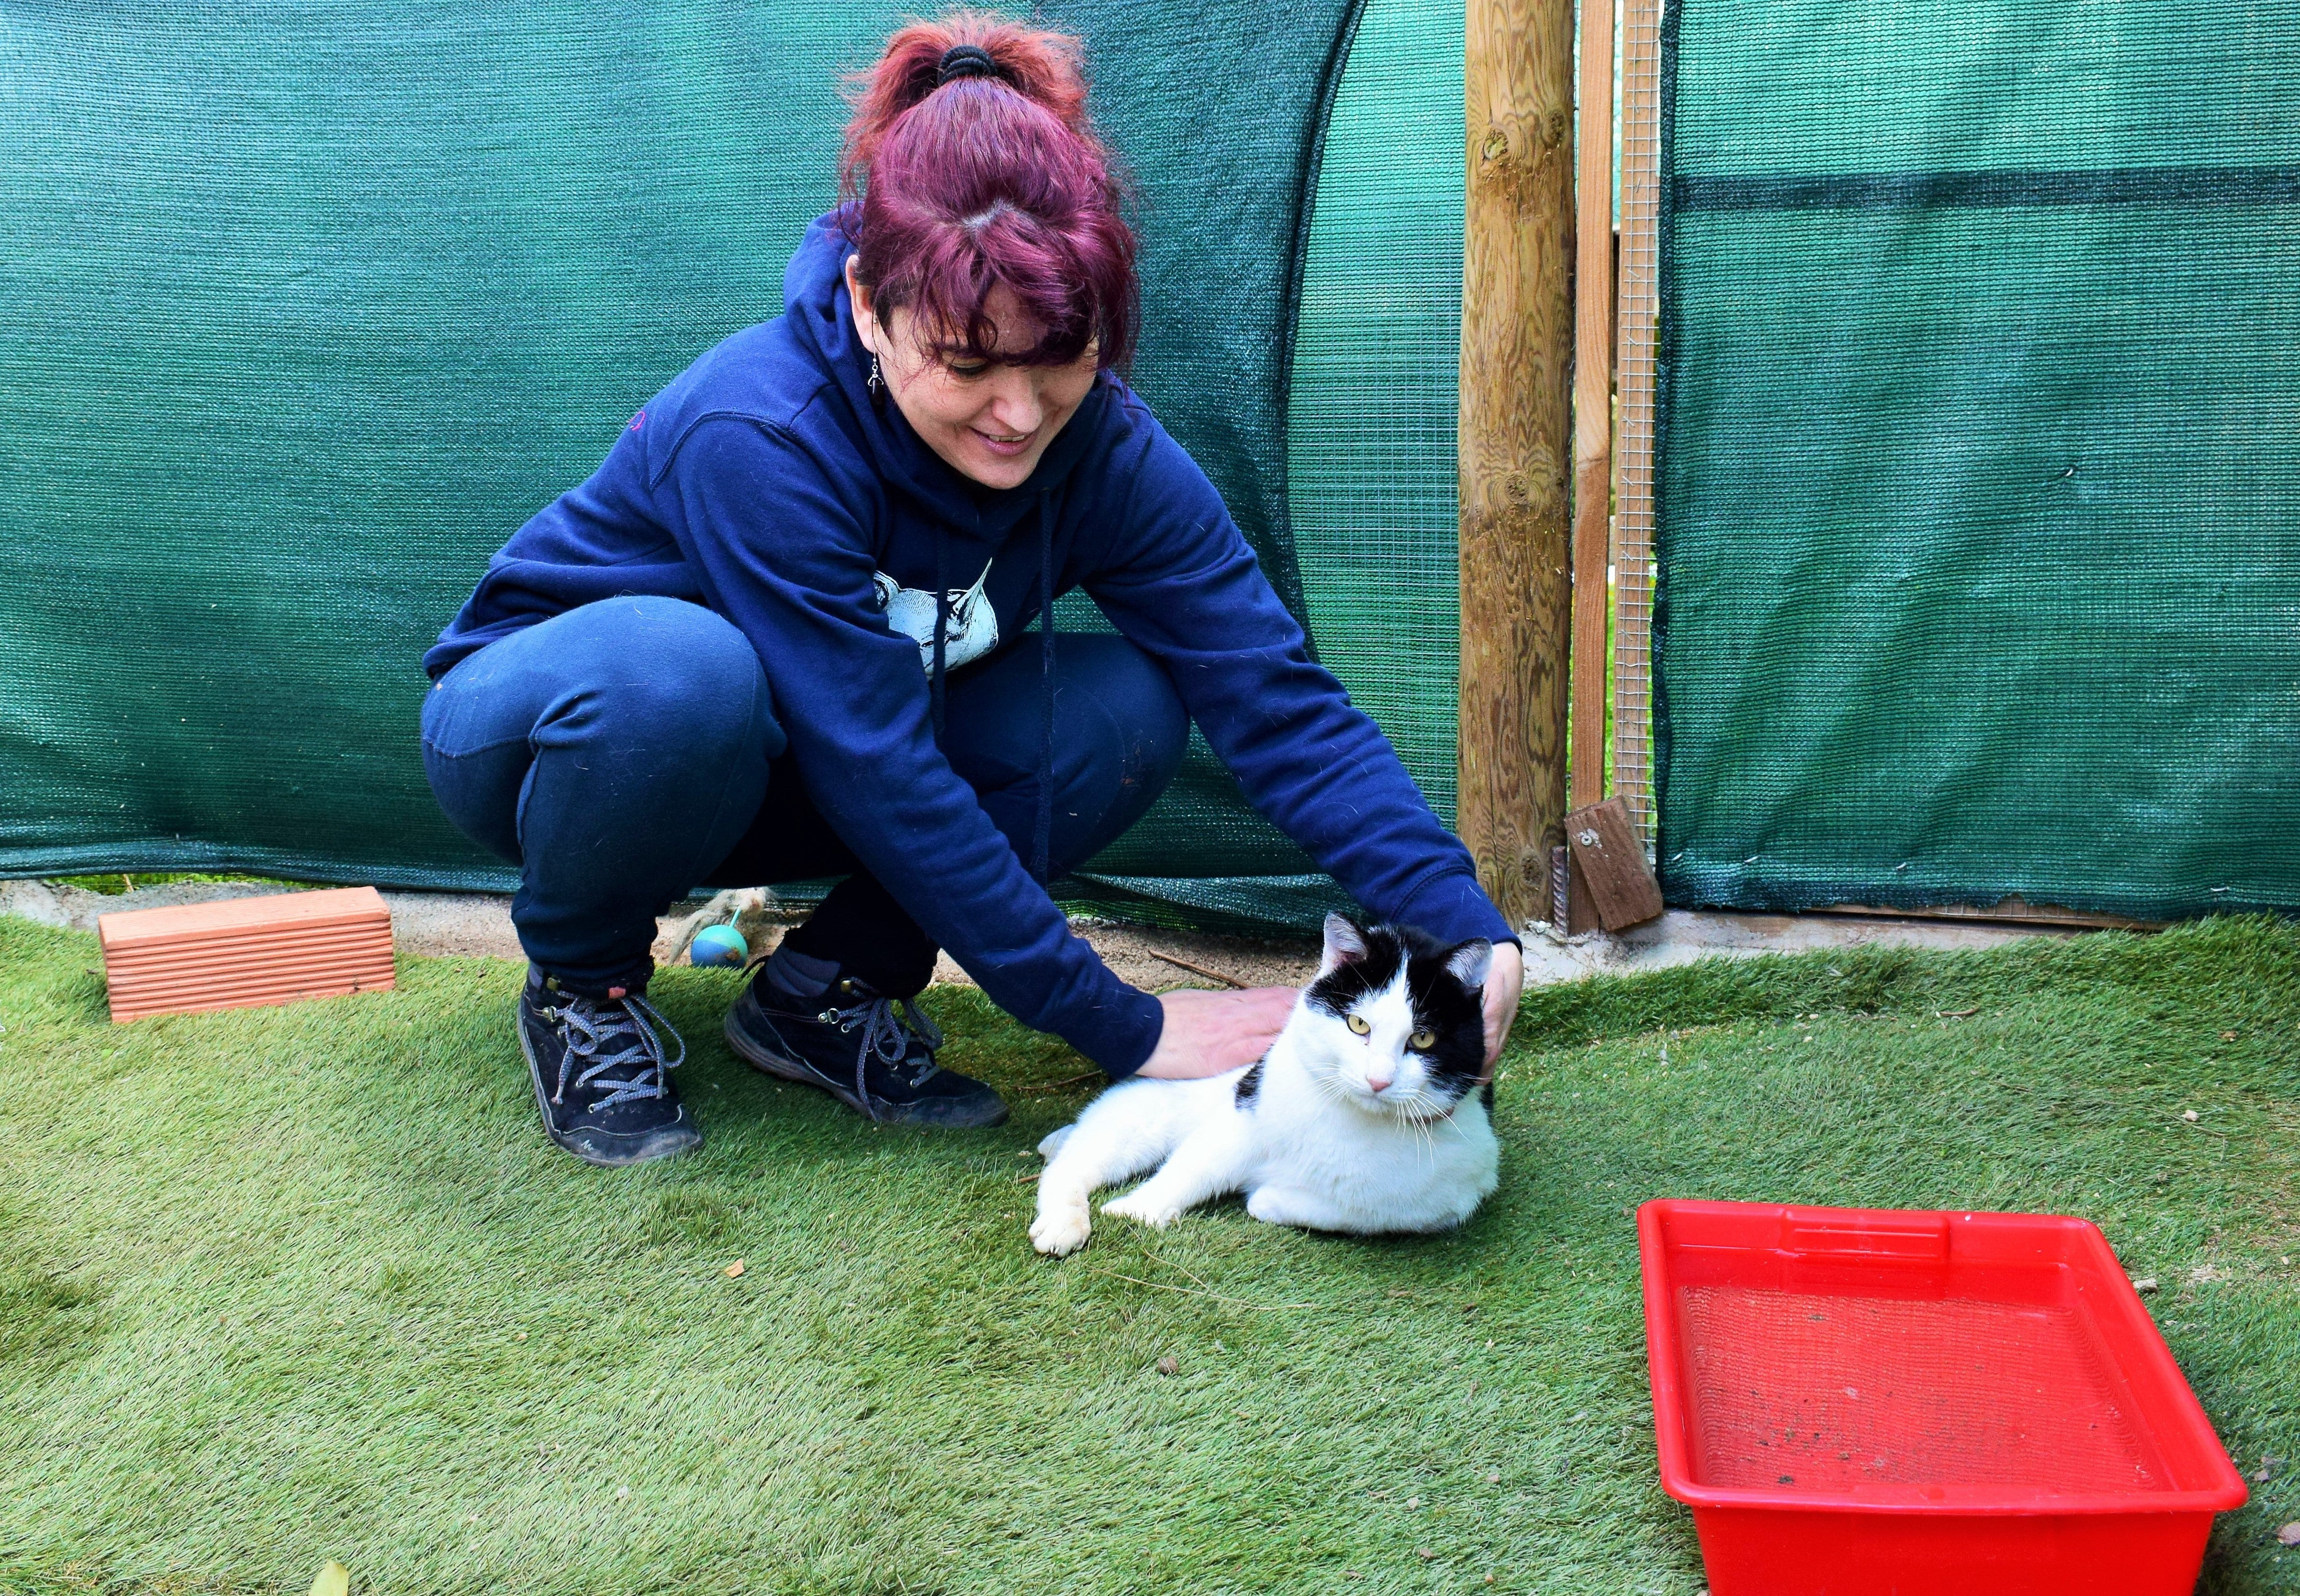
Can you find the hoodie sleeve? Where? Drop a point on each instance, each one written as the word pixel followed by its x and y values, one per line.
pixel 1182 582
pixel 788 562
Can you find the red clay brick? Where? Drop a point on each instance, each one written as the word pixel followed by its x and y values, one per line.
pixel 246 953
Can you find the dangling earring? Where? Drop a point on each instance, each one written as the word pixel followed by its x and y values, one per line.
pixel 873 381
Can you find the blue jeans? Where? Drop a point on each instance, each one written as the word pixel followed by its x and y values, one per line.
pixel 627 751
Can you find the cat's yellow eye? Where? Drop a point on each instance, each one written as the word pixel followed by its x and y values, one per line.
pixel 1357 1022
pixel 1424 1040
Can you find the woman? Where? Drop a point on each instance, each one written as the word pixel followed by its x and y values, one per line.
pixel 779 636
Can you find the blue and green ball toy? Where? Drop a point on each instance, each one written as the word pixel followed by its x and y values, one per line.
pixel 718 947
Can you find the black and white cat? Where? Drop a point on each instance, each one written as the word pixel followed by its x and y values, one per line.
pixel 1366 1114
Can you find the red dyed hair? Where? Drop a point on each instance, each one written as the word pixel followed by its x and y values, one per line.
pixel 987 181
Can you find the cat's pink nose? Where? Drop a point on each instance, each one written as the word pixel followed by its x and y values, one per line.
pixel 1374 1086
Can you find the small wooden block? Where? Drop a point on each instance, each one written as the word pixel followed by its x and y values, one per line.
pixel 246 953
pixel 1610 864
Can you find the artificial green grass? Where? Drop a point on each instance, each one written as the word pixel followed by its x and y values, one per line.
pixel 291 1284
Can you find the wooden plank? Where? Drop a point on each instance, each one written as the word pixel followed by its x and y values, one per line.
pixel 1592 402
pixel 1580 909
pixel 1609 862
pixel 1515 443
pixel 1638 334
pixel 2004 912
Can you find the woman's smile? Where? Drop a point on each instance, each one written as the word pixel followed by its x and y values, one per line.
pixel 1005 446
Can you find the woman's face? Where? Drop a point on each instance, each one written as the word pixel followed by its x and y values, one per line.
pixel 990 422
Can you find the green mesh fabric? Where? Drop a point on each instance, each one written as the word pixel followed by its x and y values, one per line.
pixel 1979 553
pixel 1373 474
pixel 305 310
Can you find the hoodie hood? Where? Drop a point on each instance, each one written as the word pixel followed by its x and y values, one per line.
pixel 822 322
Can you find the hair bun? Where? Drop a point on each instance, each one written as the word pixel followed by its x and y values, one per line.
pixel 965 61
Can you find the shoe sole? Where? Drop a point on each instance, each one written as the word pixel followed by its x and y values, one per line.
pixel 767 1061
pixel 543 1107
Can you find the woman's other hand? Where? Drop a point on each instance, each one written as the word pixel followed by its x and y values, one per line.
pixel 1208 1031
pixel 1505 986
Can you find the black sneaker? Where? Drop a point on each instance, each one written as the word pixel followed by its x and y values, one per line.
pixel 853 1043
pixel 598 1068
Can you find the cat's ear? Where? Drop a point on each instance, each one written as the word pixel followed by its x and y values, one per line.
pixel 1345 945
pixel 1469 963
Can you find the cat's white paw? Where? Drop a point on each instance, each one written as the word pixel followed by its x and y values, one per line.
pixel 1060 1232
pixel 1157 1216
pixel 1266 1204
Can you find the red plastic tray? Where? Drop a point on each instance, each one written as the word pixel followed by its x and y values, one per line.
pixel 1869 1402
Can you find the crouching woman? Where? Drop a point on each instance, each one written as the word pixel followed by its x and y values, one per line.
pixel 783 633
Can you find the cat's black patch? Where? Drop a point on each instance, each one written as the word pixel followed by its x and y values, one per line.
pixel 1454 1012
pixel 1441 1003
pixel 1338 993
pixel 1250 1083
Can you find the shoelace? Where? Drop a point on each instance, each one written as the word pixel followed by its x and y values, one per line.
pixel 887 1037
pixel 590 1026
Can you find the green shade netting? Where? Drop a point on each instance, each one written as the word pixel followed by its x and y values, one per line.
pixel 1977 501
pixel 303 312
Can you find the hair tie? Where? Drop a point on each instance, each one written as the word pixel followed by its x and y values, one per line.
pixel 965 61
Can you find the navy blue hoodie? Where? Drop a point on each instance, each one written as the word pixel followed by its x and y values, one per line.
pixel 765 484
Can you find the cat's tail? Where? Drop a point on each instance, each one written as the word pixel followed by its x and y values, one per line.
pixel 1128 1129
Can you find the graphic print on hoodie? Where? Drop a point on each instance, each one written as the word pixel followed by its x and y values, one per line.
pixel 764 483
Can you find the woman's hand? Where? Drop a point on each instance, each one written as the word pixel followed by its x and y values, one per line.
pixel 1208 1031
pixel 1505 986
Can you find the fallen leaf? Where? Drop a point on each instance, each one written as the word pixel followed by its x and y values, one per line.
pixel 622 1493
pixel 1494 1478
pixel 2145 1285
pixel 2289 1535
pixel 2228 1035
pixel 1957 1013
pixel 1424 1553
pixel 1169 1365
pixel 2189 1115
pixel 334 1580
pixel 1412 1501
pixel 734 1268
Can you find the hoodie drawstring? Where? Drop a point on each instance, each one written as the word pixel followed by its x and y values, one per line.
pixel 1041 849
pixel 936 686
pixel 1043 837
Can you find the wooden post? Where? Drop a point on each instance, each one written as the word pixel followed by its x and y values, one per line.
pixel 1592 402
pixel 1517 334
